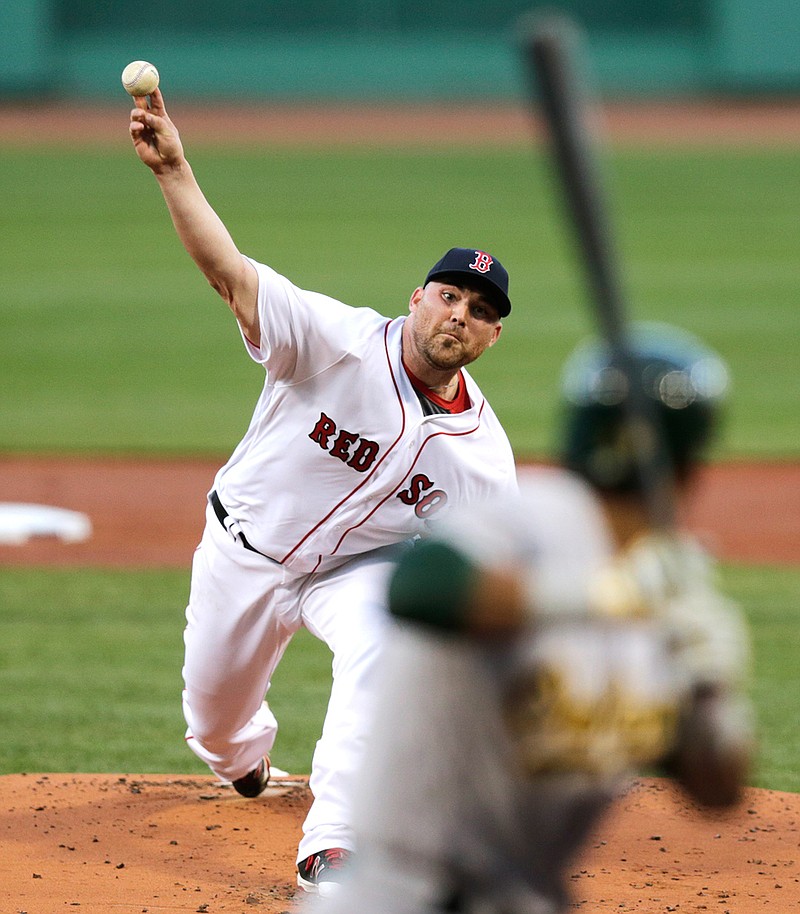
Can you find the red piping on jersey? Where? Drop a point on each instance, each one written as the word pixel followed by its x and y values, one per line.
pixel 372 472
pixel 422 446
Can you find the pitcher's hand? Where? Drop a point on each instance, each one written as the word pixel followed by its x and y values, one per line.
pixel 155 137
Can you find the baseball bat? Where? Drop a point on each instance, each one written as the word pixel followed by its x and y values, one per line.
pixel 551 50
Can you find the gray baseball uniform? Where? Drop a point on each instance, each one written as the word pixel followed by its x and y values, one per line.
pixel 490 760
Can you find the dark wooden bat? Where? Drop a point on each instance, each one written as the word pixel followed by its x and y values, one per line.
pixel 551 46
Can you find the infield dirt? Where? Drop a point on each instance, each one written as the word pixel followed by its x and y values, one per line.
pixel 149 512
pixel 160 843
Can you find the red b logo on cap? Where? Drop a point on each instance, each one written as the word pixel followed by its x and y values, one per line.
pixel 482 262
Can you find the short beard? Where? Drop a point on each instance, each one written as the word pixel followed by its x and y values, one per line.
pixel 441 357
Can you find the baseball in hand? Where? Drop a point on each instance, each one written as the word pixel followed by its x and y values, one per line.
pixel 139 78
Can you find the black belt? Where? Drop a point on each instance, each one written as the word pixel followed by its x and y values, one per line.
pixel 222 514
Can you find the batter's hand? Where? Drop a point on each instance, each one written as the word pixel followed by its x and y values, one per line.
pixel 155 137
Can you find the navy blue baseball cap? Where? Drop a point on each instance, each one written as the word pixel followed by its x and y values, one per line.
pixel 482 269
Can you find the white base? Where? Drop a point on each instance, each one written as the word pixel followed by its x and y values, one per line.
pixel 20 523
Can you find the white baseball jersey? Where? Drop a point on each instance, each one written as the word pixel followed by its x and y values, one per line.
pixel 339 457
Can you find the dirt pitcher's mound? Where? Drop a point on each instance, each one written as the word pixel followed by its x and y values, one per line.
pixel 155 843
pixel 159 843
pixel 656 852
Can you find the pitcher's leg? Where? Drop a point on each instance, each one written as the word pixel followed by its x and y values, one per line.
pixel 345 609
pixel 237 630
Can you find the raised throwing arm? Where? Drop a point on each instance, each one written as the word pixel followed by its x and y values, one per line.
pixel 202 232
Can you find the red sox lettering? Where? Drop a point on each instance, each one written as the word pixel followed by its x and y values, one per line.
pixel 427 503
pixel 360 454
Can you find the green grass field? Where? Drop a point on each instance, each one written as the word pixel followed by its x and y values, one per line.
pixel 110 341
pixel 90 674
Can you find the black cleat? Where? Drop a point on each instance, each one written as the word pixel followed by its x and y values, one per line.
pixel 254 782
pixel 321 873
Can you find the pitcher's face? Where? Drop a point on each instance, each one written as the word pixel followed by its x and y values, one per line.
pixel 451 326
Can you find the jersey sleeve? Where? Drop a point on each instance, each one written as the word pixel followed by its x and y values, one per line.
pixel 302 332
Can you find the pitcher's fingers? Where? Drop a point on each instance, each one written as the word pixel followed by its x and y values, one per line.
pixel 157 103
pixel 136 129
pixel 139 118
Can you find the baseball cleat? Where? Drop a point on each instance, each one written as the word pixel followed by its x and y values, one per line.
pixel 254 782
pixel 321 873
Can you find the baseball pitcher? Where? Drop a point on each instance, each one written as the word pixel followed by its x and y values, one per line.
pixel 367 429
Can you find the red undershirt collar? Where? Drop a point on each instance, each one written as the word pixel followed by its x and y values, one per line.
pixel 461 402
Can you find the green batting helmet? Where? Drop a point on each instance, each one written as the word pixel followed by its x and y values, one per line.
pixel 684 383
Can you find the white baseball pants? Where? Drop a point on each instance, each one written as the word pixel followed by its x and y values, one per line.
pixel 243 610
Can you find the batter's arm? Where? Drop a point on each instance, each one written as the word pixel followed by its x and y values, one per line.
pixel 201 231
pixel 437 585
